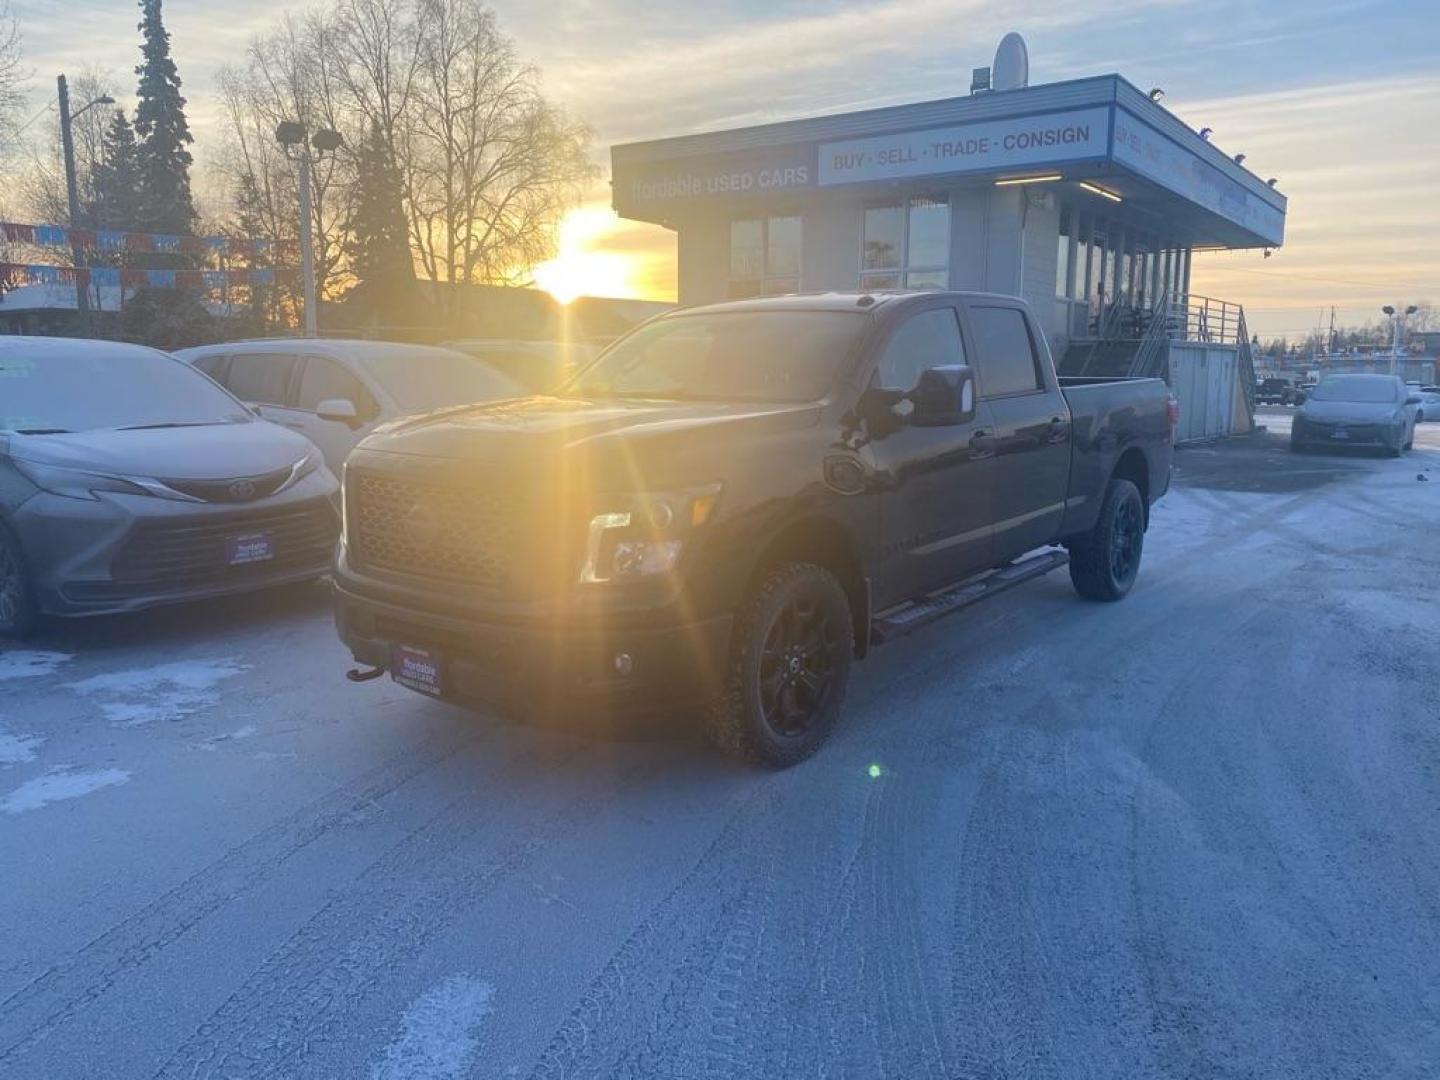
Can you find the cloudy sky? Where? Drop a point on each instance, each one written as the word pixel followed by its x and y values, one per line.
pixel 1339 99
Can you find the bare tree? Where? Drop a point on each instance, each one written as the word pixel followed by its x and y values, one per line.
pixel 12 72
pixel 487 165
pixel 41 192
pixel 288 74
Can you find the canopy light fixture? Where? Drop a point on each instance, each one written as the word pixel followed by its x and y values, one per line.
pixel 1045 178
pixel 1096 190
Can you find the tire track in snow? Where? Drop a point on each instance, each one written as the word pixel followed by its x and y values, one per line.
pixel 349 947
pixel 58 995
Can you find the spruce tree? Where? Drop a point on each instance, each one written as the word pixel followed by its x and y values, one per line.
pixel 379 241
pixel 164 133
pixel 115 178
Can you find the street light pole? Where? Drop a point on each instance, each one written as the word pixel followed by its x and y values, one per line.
pixel 294 138
pixel 307 247
pixel 72 196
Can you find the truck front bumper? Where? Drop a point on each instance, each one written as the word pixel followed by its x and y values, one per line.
pixel 622 665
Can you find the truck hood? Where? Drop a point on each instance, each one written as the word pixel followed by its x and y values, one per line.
pixel 211 452
pixel 1349 412
pixel 653 437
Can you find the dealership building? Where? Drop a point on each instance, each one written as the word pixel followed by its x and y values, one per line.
pixel 1087 198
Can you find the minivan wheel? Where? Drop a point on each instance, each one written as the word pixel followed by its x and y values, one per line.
pixel 1105 561
pixel 17 605
pixel 788 670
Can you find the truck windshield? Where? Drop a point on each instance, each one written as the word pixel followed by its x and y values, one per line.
pixel 730 356
pixel 1366 389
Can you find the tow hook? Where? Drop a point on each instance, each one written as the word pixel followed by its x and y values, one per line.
pixel 356 674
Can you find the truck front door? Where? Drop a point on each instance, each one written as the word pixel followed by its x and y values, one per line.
pixel 1032 427
pixel 935 481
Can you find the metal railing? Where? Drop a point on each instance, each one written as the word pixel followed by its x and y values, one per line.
pixel 1203 318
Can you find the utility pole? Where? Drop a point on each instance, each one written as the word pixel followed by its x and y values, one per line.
pixel 72 196
pixel 72 191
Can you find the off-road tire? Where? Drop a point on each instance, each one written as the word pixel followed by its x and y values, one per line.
pixel 17 602
pixel 736 721
pixel 1094 556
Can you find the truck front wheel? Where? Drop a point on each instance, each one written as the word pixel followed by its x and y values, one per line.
pixel 788 669
pixel 1105 561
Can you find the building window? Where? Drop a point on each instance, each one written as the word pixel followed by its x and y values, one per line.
pixel 764 256
pixel 906 245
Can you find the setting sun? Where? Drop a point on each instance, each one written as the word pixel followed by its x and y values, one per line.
pixel 579 269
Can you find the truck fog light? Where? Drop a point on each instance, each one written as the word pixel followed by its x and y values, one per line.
pixel 624 663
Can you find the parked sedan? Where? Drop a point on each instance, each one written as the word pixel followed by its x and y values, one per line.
pixel 128 479
pixel 335 392
pixel 1429 406
pixel 1357 410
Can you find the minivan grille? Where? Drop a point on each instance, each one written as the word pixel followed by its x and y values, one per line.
pixel 448 531
pixel 190 550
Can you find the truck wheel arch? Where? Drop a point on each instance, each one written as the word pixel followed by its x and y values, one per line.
pixel 824 542
pixel 1133 465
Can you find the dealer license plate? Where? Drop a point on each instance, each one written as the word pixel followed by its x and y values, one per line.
pixel 1340 433
pixel 419 669
pixel 250 548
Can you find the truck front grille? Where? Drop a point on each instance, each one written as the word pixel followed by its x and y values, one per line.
pixel 451 532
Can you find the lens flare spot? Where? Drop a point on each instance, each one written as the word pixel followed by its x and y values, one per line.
pixel 876 771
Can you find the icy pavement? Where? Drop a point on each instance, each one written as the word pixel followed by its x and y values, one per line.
pixel 1193 834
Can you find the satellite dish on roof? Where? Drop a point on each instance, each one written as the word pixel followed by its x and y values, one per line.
pixel 1012 63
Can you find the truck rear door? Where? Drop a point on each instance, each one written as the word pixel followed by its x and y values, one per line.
pixel 1031 424
pixel 936 480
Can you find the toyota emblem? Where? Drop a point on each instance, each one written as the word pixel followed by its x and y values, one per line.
pixel 241 490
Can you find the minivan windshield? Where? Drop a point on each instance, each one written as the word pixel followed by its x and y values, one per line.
pixel 50 391
pixel 726 356
pixel 1364 389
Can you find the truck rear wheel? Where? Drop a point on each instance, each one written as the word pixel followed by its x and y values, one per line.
pixel 1105 561
pixel 788 670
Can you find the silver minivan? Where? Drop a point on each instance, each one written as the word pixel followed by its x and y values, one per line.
pixel 336 391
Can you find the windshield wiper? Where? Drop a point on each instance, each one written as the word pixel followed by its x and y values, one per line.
pixel 41 431
pixel 174 424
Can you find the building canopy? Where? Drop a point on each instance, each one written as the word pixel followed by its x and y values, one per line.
pixel 1100 135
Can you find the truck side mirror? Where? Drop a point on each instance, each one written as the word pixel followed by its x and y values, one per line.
pixel 944 396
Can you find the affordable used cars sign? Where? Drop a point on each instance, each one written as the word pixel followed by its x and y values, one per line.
pixel 978 147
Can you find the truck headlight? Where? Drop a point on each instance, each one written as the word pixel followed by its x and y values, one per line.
pixel 647 538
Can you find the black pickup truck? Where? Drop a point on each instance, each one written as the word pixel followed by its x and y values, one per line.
pixel 733 503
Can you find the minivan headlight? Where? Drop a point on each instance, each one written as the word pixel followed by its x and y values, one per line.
pixel 645 538
pixel 76 483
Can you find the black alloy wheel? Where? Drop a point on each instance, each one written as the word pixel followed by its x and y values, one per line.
pixel 1127 537
pixel 791 648
pixel 1105 562
pixel 797 664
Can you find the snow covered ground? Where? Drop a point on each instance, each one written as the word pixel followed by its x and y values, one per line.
pixel 1194 834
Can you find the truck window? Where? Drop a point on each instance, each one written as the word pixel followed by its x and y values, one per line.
pixel 1005 354
pixel 929 339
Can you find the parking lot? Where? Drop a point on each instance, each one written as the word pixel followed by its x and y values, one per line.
pixel 1196 833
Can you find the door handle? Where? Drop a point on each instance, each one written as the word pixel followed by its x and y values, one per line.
pixel 1059 428
pixel 982 443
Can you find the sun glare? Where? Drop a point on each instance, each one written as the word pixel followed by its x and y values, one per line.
pixel 580 270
